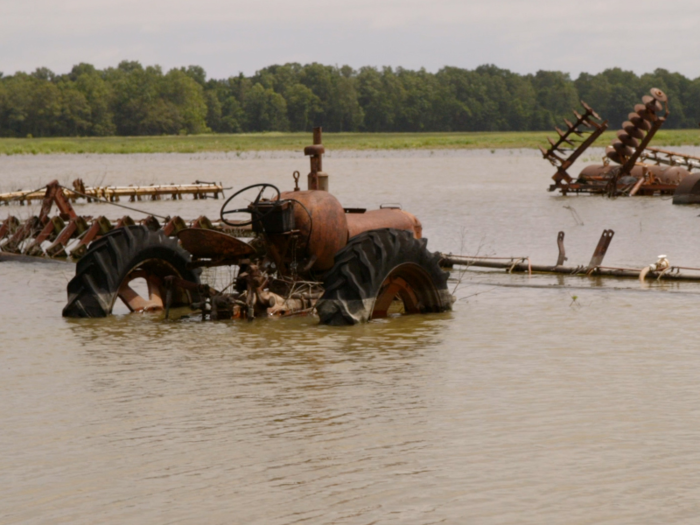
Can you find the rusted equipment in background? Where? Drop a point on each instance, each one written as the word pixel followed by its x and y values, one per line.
pixel 600 251
pixel 593 269
pixel 557 157
pixel 670 158
pixel 630 166
pixel 688 191
pixel 67 234
pixel 634 137
pixel 562 251
pixel 199 190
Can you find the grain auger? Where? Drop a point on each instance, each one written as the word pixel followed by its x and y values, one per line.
pixel 558 157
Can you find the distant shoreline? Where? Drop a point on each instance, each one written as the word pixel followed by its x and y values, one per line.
pixel 247 142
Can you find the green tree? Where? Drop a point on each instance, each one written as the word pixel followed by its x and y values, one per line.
pixel 99 97
pixel 232 116
pixel 556 95
pixel 184 98
pixel 196 73
pixel 264 110
pixel 302 107
pixel 75 111
pixel 213 103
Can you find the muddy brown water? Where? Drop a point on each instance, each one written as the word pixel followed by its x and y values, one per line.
pixel 537 400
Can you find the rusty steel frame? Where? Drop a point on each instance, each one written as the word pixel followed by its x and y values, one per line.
pixel 198 190
pixel 27 237
pixel 594 268
pixel 670 158
pixel 631 145
pixel 564 163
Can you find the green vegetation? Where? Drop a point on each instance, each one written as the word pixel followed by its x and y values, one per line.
pixel 132 100
pixel 242 142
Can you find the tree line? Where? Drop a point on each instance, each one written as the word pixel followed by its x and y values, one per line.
pixel 131 99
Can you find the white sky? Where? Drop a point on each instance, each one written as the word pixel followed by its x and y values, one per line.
pixel 231 36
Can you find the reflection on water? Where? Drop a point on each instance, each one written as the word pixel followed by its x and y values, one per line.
pixel 539 399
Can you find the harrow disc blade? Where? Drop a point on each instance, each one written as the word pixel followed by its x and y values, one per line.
pixel 640 108
pixel 632 130
pixel 645 113
pixel 627 140
pixel 652 104
pixel 658 94
pixel 612 154
pixel 621 149
pixel 639 121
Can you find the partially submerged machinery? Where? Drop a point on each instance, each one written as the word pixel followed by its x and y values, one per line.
pixel 630 167
pixel 67 234
pixel 309 253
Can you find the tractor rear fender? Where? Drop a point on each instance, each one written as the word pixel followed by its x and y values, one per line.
pixel 384 218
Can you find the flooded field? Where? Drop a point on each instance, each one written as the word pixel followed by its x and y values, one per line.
pixel 537 400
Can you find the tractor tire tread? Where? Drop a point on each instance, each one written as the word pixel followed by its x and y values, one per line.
pixel 352 285
pixel 107 262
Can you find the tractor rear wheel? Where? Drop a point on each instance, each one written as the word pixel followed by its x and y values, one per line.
pixel 106 272
pixel 378 271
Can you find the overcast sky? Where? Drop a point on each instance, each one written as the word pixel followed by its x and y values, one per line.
pixel 231 36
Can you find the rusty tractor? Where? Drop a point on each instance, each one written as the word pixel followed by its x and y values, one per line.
pixel 309 254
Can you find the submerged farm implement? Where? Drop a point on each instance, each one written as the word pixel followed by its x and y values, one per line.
pixel 66 235
pixel 630 166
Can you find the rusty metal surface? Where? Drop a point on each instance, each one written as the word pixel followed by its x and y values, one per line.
pixel 658 95
pixel 558 157
pixel 633 130
pixel 655 174
pixel 639 122
pixel 594 269
pixel 647 112
pixel 601 250
pixel 688 191
pixel 562 251
pixel 622 149
pixel 317 179
pixel 627 139
pixel 115 193
pixel 642 180
pixel 211 244
pixel 385 218
pixel 49 235
pixel 671 158
pixel 323 230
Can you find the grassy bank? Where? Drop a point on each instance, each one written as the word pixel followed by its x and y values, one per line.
pixel 296 141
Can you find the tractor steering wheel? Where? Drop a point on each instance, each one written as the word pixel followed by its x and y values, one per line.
pixel 252 208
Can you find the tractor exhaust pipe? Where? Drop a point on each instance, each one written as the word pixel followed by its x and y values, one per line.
pixel 318 180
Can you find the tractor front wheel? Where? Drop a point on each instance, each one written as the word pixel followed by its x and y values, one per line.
pixel 381 272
